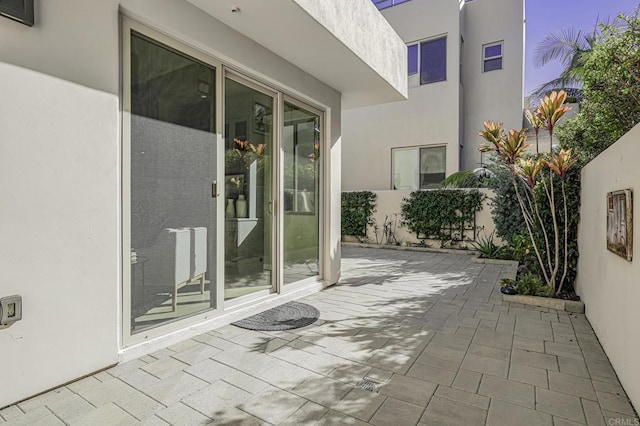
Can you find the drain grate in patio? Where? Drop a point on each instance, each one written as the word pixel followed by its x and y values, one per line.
pixel 368 385
pixel 284 317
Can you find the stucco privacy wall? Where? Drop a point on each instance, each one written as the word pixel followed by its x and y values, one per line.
pixel 608 284
pixel 429 117
pixel 60 138
pixel 388 207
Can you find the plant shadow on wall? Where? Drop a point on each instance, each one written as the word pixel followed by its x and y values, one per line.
pixel 540 183
pixel 445 215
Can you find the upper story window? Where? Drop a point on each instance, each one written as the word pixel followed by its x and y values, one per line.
pixel 492 56
pixel 427 61
pixel 383 4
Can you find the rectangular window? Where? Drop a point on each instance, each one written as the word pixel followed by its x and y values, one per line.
pixel 412 53
pixel 418 167
pixel 492 56
pixel 433 60
pixel 427 61
pixel 383 4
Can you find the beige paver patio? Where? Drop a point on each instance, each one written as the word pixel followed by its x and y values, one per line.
pixel 430 330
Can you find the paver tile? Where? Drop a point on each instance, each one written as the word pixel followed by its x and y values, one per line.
pixel 396 412
pixel 215 397
pixel 493 339
pixel 443 411
pixel 432 374
pixel 323 390
pixel 490 352
pixel 463 397
pixel 467 380
pixel 360 404
pixel 108 414
pixel 559 404
pixel 486 365
pixel 409 389
pixel 593 413
pixel 172 389
pixel 508 391
pixel 337 418
pixel 534 359
pixel 533 345
pixel 618 404
pixel 505 414
pixel 181 414
pixel 530 375
pixel 561 349
pixel 432 361
pixel 45 399
pixel 272 405
pixel 164 367
pixel 70 408
pixel 309 413
pixel 573 367
pixel 571 385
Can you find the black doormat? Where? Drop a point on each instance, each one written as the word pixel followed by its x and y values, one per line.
pixel 284 317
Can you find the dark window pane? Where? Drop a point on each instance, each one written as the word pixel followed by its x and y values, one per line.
pixel 493 64
pixel 381 4
pixel 495 50
pixel 433 61
pixel 412 53
pixel 432 166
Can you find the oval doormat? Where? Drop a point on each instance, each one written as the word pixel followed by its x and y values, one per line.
pixel 284 317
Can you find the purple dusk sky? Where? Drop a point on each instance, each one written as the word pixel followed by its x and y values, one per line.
pixel 546 16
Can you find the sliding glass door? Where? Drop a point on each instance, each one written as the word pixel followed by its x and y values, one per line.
pixel 248 239
pixel 173 166
pixel 221 187
pixel 301 143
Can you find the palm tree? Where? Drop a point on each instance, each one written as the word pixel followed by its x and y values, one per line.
pixel 572 48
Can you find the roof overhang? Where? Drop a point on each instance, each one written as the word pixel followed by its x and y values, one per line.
pixel 348 45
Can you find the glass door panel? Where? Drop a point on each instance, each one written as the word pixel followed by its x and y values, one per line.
pixel 301 146
pixel 173 166
pixel 248 190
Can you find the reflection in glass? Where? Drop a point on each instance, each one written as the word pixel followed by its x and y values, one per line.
pixel 301 145
pixel 248 189
pixel 173 160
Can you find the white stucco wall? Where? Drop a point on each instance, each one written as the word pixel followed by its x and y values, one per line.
pixel 495 95
pixel 60 138
pixel 608 284
pixel 388 206
pixel 429 117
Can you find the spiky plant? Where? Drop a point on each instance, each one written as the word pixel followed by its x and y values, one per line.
pixel 510 150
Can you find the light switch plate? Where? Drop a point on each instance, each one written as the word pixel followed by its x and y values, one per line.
pixel 10 309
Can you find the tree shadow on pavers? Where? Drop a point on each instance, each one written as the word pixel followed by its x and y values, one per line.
pixel 369 266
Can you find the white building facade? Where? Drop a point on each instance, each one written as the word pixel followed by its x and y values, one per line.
pixel 465 66
pixel 171 166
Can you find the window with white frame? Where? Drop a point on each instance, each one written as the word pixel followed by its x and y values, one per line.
pixel 492 56
pixel 418 167
pixel 427 61
pixel 383 4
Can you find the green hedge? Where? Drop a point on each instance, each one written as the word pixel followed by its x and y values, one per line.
pixel 443 214
pixel 357 208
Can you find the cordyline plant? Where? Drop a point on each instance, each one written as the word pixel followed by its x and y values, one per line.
pixel 542 171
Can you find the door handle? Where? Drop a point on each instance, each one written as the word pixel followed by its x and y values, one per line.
pixel 269 207
pixel 214 189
